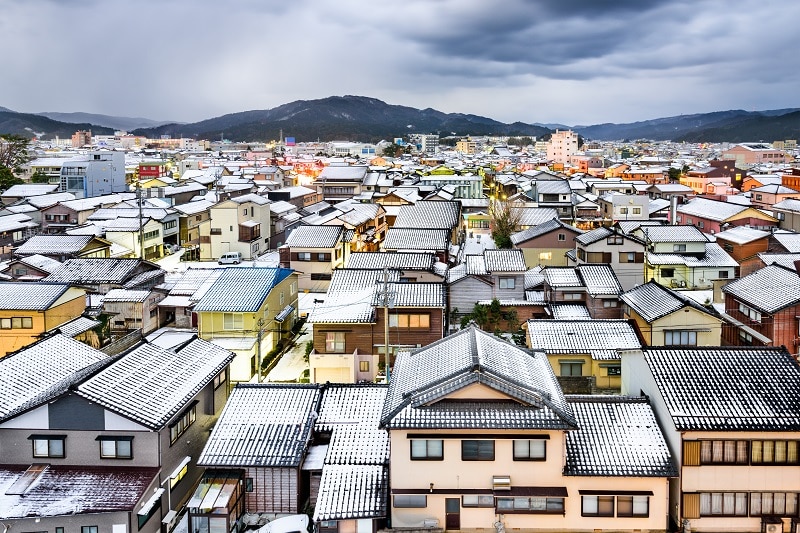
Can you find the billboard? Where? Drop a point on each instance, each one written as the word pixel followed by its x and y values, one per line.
pixel 289 141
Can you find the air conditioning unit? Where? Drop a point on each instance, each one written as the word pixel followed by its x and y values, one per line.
pixel 501 482
pixel 774 528
pixel 430 522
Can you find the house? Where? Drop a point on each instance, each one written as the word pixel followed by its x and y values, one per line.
pixel 419 240
pixel 15 229
pixel 337 183
pixel 616 207
pixel 502 445
pixel 731 418
pixel 240 224
pixel 360 307
pixel 624 252
pixel 585 354
pixel 194 229
pixel 30 268
pixel 19 192
pixel 64 247
pixel 712 216
pixel 101 275
pixel 432 215
pixel 28 310
pixel 314 252
pixel 249 311
pixel 742 243
pixel 414 267
pixel 105 443
pixel 752 153
pixel 665 317
pixel 766 196
pixel 788 214
pixel 367 221
pixel 684 257
pixel 130 310
pixel 547 243
pixel 707 180
pixel 593 287
pixel 761 308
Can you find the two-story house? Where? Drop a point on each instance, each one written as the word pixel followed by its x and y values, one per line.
pixel 546 244
pixel 482 437
pixel 95 443
pixel 240 224
pixel 314 252
pixel 731 418
pixel 713 216
pixel 624 252
pixel 249 311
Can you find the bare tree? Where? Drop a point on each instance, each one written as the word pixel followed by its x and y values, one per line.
pixel 13 152
pixel 504 220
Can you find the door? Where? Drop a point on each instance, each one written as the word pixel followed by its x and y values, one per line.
pixel 452 509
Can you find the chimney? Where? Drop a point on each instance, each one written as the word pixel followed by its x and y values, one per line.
pixel 673 209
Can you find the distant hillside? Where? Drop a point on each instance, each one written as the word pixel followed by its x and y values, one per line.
pixel 354 118
pixel 118 123
pixel 31 125
pixel 719 126
pixel 765 128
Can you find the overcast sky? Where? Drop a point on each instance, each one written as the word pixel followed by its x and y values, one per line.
pixel 550 61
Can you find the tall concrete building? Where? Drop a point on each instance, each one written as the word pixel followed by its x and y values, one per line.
pixel 562 146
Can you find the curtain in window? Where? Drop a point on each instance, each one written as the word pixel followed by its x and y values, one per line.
pixel 705 451
pixel 716 503
pixel 589 504
pixel 741 503
pixel 791 452
pixel 705 504
pixel 730 451
pixel 716 451
pixel 741 451
pixel 756 451
pixel 780 451
pixel 728 503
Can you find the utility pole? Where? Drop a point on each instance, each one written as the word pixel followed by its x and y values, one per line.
pixel 141 230
pixel 386 319
pixel 260 325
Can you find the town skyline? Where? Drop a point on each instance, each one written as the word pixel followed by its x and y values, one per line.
pixel 573 63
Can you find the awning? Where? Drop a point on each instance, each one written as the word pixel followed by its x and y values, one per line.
pixel 148 505
pixel 283 315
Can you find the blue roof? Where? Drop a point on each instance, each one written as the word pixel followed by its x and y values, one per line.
pixel 241 289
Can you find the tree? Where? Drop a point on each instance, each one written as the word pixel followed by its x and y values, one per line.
pixel 13 152
pixel 504 220
pixel 7 179
pixel 40 177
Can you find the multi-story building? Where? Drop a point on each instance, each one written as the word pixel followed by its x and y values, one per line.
pixel 562 146
pixel 240 224
pixel 96 174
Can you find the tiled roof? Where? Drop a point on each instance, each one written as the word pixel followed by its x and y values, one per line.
pixel 595 337
pixel 429 215
pixel 785 260
pixel 789 204
pixel 350 296
pixel 534 277
pixel 728 388
pixel 95 270
pixel 37 296
pixel 594 235
pixel 424 378
pixel 542 229
pixel 76 326
pixel 504 260
pixel 193 279
pixel 263 425
pixel 41 262
pixel 742 235
pixel 54 244
pixel 403 261
pixel 715 256
pixel 710 209
pixel 533 216
pixel 306 236
pixel 558 277
pixel 343 173
pixel 618 436
pixel 241 290
pixel 570 312
pixel 412 295
pixel 125 295
pixel 789 240
pixel 599 279
pixel 629 226
pixel 416 239
pixel 352 492
pixel 43 370
pixel 653 301
pixel 673 234
pixel 69 492
pixel 150 385
pixel 769 289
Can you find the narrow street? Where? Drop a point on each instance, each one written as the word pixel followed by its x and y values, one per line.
pixel 293 362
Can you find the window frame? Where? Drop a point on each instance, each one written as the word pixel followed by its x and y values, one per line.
pixel 528 456
pixel 335 342
pixel 116 439
pixel 430 452
pixel 507 282
pixel 410 501
pixel 49 439
pixel 481 452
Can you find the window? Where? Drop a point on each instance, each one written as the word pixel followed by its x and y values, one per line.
pixel 562 237
pixel 219 379
pixel 678 247
pixel 477 450
pixel 477 500
pixel 530 450
pixel 631 257
pixel 723 274
pixel 623 210
pixel 776 452
pixel 304 256
pixel 410 500
pixel 530 505
pixel 89 529
pixel 613 370
pixel 427 449
pixel 404 320
pixel 680 338
pixel 248 484
pixel 700 224
pixel 363 366
pixel 233 321
pixel 320 277
pixel 116 447
pixel 667 272
pixel 323 257
pixel 59 530
pixel 150 235
pixel 17 322
pixel 610 303
pixel 506 283
pixel 334 342
pixel 48 445
pixel 545 256
pixel 615 239
pixel 773 503
pixel 723 504
pixel 637 210
pixel 180 426
pixel 633 506
pixel 573 296
pixel 571 368
pixel 759 197
pixel 750 313
pixel 597 505
pixel 723 452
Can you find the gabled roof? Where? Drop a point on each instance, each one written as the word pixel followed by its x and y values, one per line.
pixel 711 209
pixel 669 233
pixel 422 380
pixel 768 289
pixel 43 370
pixel 263 426
pixel 37 296
pixel 789 240
pixel 569 312
pixel 594 235
pixel 241 290
pixel 742 235
pixel 533 216
pixel 495 261
pixel 714 256
pixel 618 436
pixel 350 297
pixel 90 270
pixel 307 236
pixel 602 339
pixel 543 229
pixel 429 215
pixel 400 260
pixel 599 280
pixel 653 301
pixel 560 277
pixel 54 244
pixel 728 388
pixel 150 385
pixel 416 239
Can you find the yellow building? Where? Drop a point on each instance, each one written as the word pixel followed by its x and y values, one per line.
pixel 249 311
pixel 667 318
pixel 27 310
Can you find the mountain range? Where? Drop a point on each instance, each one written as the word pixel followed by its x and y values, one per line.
pixel 365 119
